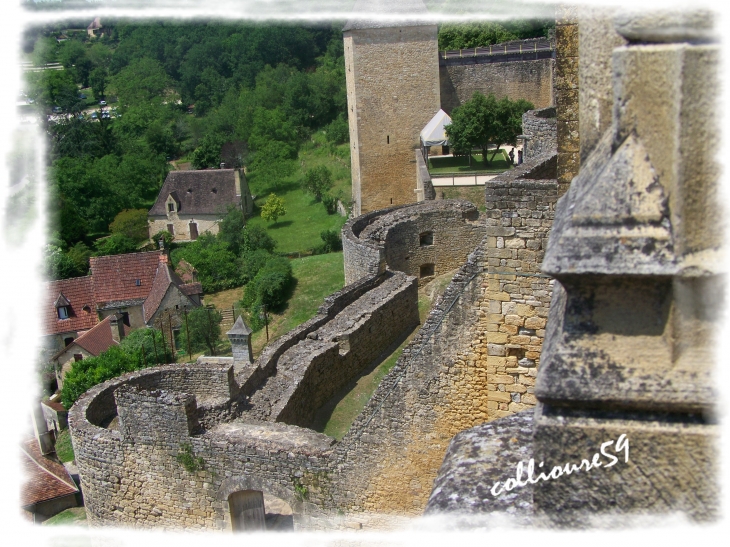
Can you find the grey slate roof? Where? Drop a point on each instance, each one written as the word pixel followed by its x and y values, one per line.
pixel 239 327
pixel 364 10
pixel 205 192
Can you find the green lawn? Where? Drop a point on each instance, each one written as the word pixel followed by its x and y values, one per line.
pixel 475 194
pixel 460 165
pixel 316 277
pixel 75 515
pixel 299 230
pixel 64 449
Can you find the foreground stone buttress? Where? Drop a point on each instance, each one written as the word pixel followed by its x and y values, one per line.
pixel 635 249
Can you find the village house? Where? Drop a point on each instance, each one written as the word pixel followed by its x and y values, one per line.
pixel 122 293
pixel 191 203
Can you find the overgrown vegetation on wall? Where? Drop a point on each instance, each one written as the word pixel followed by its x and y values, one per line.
pixel 470 35
pixel 142 348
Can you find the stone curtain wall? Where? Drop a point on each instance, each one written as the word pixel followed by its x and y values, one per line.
pixel 392 452
pixel 327 359
pixel 392 237
pixel 530 80
pixel 542 129
pixel 392 82
pixel 520 212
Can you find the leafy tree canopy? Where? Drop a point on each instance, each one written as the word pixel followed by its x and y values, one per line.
pixel 131 223
pixel 317 181
pixel 482 121
pixel 273 208
pixel 202 330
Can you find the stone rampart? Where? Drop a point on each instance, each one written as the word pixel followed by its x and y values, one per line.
pixel 530 80
pixel 423 240
pixel 541 128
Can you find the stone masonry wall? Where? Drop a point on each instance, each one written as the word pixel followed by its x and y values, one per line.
pixel 520 213
pixel 181 225
pixel 530 80
pixel 310 373
pixel 392 237
pixel 542 129
pixel 392 82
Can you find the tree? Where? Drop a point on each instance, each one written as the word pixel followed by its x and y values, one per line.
pixel 482 121
pixel 204 330
pixel 317 181
pixel 208 153
pixel 273 208
pixel 115 244
pixel 231 228
pixel 131 223
pixel 270 285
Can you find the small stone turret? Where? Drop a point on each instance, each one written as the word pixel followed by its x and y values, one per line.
pixel 240 337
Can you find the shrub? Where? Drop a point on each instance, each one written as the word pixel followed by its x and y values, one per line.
pixel 131 223
pixel 338 132
pixel 252 262
pixel 87 373
pixel 204 327
pixel 332 241
pixel 270 285
pixel 330 204
pixel 217 266
pixel 317 181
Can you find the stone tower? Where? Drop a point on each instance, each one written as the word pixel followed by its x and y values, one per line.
pixel 392 77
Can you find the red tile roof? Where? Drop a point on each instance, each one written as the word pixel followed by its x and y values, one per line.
pixel 115 277
pixel 164 278
pixel 45 477
pixel 98 339
pixel 78 291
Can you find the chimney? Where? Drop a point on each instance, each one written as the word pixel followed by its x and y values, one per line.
pixel 223 165
pixel 240 337
pixel 117 326
pixel 163 254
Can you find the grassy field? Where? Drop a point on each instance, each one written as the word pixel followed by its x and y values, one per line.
pixel 336 417
pixel 64 449
pixel 299 230
pixel 475 194
pixel 75 515
pixel 460 165
pixel 316 277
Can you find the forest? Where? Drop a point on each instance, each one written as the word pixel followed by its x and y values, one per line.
pixel 248 95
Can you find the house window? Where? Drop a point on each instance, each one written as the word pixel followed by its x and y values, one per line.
pixel 67 341
pixel 426 238
pixel 78 357
pixel 171 229
pixel 171 207
pixel 62 312
pixel 138 282
pixel 427 270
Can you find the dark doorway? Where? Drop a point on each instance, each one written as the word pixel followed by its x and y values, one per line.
pixel 247 511
pixel 193 231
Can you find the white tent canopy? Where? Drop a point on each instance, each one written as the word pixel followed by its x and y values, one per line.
pixel 433 134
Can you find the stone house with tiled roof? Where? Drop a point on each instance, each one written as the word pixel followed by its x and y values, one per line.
pixel 110 331
pixel 191 203
pixel 133 286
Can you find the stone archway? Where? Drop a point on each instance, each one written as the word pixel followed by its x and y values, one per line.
pixel 252 504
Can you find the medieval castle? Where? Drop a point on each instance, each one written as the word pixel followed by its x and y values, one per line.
pixel 572 319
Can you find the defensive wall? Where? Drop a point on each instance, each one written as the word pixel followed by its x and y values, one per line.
pixel 531 80
pixel 237 417
pixel 423 240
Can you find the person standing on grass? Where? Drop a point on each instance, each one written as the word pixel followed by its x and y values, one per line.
pixel 512 156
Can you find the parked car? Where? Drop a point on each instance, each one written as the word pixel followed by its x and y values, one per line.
pixel 82 96
pixel 94 116
pixel 80 116
pixel 57 110
pixel 102 103
pixel 106 115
